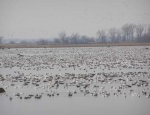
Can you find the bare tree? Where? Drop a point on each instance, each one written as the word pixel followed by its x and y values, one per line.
pixel 131 31
pixel 56 40
pixel 84 39
pixel 74 38
pixel 126 32
pixel 118 36
pixel 146 35
pixel 101 36
pixel 92 39
pixel 66 40
pixel 62 36
pixel 139 31
pixel 42 42
pixel 1 38
pixel 113 34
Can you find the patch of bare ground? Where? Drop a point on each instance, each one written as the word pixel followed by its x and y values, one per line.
pixel 70 45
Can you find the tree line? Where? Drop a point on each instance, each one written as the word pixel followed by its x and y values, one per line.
pixel 127 33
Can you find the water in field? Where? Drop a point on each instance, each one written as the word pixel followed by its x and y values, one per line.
pixel 75 81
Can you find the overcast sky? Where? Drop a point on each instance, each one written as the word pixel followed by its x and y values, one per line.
pixel 46 18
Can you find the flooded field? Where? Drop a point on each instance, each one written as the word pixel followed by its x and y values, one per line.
pixel 75 81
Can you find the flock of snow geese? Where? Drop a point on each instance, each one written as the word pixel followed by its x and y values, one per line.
pixel 98 72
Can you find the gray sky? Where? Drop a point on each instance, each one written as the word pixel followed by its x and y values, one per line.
pixel 46 18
